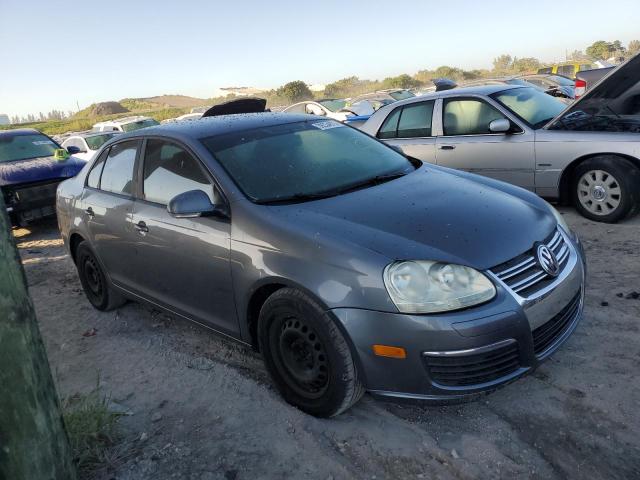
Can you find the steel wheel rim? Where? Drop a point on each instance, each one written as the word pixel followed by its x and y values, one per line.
pixel 301 358
pixel 599 192
pixel 93 277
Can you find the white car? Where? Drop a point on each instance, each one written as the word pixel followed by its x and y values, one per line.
pixel 127 124
pixel 187 117
pixel 85 145
pixel 329 107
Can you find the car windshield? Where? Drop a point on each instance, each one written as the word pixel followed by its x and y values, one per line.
pixel 130 127
pixel 296 161
pixel 401 94
pixel 560 80
pixel 530 104
pixel 333 105
pixel 96 141
pixel 23 147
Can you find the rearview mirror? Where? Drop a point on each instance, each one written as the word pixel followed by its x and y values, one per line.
pixel 73 150
pixel 315 110
pixel 191 204
pixel 501 125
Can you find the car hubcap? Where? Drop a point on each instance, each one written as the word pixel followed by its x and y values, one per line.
pixel 303 357
pixel 599 192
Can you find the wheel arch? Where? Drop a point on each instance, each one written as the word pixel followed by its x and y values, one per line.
pixel 74 240
pixel 564 187
pixel 267 287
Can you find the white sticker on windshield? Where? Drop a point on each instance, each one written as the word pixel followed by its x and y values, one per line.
pixel 327 124
pixel 43 142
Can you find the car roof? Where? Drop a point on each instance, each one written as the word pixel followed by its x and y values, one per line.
pixel 218 125
pixel 19 131
pixel 120 121
pixel 473 90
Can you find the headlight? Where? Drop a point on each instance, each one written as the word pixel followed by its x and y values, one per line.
pixel 428 287
pixel 560 219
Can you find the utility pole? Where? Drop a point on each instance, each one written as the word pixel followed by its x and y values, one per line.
pixel 33 439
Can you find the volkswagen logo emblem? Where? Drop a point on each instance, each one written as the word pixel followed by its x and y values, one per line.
pixel 548 260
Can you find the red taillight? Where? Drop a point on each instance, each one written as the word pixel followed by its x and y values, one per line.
pixel 581 87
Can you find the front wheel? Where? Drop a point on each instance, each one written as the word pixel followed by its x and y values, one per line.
pixel 605 188
pixel 306 355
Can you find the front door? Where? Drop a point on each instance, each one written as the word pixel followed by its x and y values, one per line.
pixel 468 144
pixel 182 263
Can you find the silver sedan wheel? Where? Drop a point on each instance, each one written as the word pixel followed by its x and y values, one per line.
pixel 599 192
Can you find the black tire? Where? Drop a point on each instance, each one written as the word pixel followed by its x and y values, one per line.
pixel 95 284
pixel 622 174
pixel 307 355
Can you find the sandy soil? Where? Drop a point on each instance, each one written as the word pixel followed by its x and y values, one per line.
pixel 203 408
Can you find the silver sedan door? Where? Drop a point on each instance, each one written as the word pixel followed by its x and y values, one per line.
pixel 467 143
pixel 410 127
pixel 183 263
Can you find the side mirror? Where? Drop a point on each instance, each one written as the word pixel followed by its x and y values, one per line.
pixel 73 150
pixel 501 125
pixel 191 204
pixel 315 110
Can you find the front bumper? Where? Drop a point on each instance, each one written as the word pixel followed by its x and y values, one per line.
pixel 461 354
pixel 29 202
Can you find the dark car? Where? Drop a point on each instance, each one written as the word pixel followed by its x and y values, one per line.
pixel 349 266
pixel 30 172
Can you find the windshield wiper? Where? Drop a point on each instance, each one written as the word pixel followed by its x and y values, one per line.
pixel 301 197
pixel 296 197
pixel 542 123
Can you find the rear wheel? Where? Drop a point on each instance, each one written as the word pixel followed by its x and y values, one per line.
pixel 94 282
pixel 307 355
pixel 605 188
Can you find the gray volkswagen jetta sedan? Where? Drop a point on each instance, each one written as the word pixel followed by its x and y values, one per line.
pixel 349 266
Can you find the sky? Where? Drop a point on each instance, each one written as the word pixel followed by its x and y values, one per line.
pixel 64 54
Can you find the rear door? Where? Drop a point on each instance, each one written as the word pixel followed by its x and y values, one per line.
pixel 468 144
pixel 410 127
pixel 182 263
pixel 107 203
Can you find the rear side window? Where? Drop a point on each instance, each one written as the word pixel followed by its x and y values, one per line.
pixel 170 170
pixel 410 121
pixel 468 117
pixel 415 120
pixel 117 174
pixel 389 128
pixel 93 179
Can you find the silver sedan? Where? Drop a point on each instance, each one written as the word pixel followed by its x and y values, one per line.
pixel 587 154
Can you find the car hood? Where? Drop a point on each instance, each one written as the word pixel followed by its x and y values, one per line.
pixel 432 214
pixel 615 96
pixel 38 169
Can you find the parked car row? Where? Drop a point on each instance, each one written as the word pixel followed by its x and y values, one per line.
pixel 357 260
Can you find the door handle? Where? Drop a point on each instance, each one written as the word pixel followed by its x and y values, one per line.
pixel 447 147
pixel 141 227
pixel 89 211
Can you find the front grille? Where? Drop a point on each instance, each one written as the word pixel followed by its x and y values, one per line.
pixel 524 275
pixel 36 192
pixel 464 370
pixel 545 335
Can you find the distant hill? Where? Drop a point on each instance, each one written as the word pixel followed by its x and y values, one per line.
pixel 163 101
pixel 100 109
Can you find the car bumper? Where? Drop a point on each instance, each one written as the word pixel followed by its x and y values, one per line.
pixel 461 354
pixel 32 201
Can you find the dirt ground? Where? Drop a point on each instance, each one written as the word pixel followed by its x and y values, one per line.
pixel 202 408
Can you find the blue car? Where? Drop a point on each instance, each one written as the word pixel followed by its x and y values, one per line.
pixel 31 167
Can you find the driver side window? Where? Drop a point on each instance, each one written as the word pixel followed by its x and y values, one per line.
pixel 170 170
pixel 468 117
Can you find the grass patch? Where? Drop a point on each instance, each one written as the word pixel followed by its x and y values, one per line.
pixel 92 428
